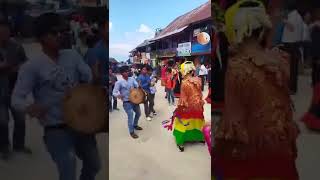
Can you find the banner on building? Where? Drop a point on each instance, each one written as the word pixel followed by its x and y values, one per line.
pixel 184 49
pixel 196 32
pixel 148 56
pixel 202 42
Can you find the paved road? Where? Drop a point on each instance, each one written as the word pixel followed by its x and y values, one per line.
pixel 308 160
pixel 154 156
pixel 40 165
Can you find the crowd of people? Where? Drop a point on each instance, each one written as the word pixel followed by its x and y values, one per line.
pixel 48 77
pixel 180 80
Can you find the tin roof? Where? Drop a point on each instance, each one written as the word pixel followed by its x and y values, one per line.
pixel 112 60
pixel 201 13
pixel 145 43
pixel 170 33
pixel 181 23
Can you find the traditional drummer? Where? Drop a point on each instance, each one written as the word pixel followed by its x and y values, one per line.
pixel 47 78
pixel 122 91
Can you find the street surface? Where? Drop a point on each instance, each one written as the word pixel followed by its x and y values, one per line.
pixel 154 155
pixel 308 143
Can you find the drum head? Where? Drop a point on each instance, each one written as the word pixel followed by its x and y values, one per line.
pixel 85 108
pixel 137 96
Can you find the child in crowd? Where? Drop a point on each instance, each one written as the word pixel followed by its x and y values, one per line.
pixel 153 90
pixel 169 86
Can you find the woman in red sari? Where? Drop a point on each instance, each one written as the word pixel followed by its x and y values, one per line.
pixel 256 138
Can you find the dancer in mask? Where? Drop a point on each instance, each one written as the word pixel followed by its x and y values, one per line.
pixel 256 138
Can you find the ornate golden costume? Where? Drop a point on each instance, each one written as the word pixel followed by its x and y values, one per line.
pixel 257 133
pixel 257 114
pixel 191 95
pixel 256 138
pixel 188 119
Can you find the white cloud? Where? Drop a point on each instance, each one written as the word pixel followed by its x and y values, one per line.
pixel 129 41
pixel 110 26
pixel 120 49
pixel 121 46
pixel 144 29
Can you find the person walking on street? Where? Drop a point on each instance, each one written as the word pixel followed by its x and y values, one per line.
pixel 163 77
pixel 48 78
pixel 153 90
pixel 197 72
pixel 122 91
pixel 99 57
pixel 177 80
pixel 292 38
pixel 112 80
pixel 169 86
pixel 12 55
pixel 203 72
pixel 314 47
pixel 145 82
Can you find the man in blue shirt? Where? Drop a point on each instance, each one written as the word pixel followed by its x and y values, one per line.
pixel 122 91
pixel 12 56
pixel 48 77
pixel 98 57
pixel 145 82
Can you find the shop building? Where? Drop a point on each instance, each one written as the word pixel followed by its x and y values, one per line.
pixel 187 37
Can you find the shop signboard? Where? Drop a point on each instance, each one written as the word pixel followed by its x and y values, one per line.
pixel 148 56
pixel 184 49
pixel 202 42
pixel 196 32
pixel 199 48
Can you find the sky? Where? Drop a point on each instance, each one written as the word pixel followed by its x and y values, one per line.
pixel 133 21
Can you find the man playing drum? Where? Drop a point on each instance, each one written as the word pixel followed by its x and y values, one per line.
pixel 122 91
pixel 48 77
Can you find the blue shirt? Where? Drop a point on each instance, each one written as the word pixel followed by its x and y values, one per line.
pixel 144 81
pixel 123 87
pixel 89 56
pixel 100 54
pixel 153 89
pixel 47 81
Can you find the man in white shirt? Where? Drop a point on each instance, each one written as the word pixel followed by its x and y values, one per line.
pixel 203 72
pixel 292 37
